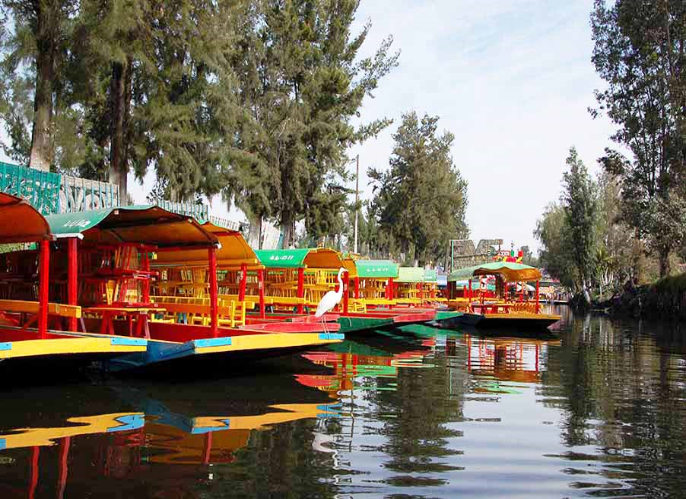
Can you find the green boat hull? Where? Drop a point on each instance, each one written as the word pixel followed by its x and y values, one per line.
pixel 352 325
pixel 446 315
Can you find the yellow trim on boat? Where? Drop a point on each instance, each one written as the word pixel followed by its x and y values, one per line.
pixel 268 341
pixel 67 346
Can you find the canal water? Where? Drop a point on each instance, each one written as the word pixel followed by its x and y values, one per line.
pixel 597 409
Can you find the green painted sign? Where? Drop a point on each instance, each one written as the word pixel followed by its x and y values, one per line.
pixel 376 269
pixel 283 259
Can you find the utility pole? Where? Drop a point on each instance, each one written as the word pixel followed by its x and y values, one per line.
pixel 357 198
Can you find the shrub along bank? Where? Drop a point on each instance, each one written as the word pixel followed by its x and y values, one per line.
pixel 663 299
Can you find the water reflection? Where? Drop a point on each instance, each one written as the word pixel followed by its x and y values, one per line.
pixel 598 409
pixel 168 445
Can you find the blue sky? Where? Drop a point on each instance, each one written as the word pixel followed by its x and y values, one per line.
pixel 512 79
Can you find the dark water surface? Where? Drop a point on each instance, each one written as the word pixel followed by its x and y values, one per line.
pixel 597 410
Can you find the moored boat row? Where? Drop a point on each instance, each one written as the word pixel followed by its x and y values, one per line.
pixel 139 289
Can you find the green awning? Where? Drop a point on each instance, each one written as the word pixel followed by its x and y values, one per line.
pixel 475 285
pixel 508 270
pixel 410 274
pixel 145 224
pixel 380 269
pixel 318 258
pixel 282 259
pixel 430 275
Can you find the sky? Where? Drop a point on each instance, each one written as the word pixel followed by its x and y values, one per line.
pixel 511 79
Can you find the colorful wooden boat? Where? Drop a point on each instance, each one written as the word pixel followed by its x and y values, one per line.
pixel 372 283
pixel 306 274
pixel 417 287
pixel 32 339
pixel 503 308
pixel 115 248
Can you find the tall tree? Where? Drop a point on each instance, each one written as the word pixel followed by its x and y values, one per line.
pixel 35 49
pixel 551 231
pixel 639 52
pixel 580 203
pixel 421 200
pixel 304 86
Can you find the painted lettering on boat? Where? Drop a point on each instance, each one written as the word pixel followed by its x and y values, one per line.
pixel 78 223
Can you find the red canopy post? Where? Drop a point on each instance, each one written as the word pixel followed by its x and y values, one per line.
pixel 301 287
pixel 346 298
pixel 72 277
pixel 145 263
pixel 43 289
pixel 260 287
pixel 390 289
pixel 470 289
pixel 357 287
pixel 538 291
pixel 212 254
pixel 243 283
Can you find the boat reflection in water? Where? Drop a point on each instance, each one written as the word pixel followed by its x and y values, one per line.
pixel 366 363
pixel 164 442
pixel 498 363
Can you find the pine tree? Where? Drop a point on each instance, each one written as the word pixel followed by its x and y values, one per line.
pixel 421 200
pixel 304 91
pixel 34 54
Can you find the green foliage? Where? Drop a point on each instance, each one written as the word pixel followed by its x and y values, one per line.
pixel 35 47
pixel 255 100
pixel 301 85
pixel 585 243
pixel 551 231
pixel 580 209
pixel 528 258
pixel 639 52
pixel 420 201
pixel 672 284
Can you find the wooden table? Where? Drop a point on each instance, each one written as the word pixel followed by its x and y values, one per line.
pixel 138 312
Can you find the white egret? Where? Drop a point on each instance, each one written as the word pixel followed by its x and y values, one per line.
pixel 330 299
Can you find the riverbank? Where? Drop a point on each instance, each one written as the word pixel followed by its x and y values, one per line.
pixel 663 299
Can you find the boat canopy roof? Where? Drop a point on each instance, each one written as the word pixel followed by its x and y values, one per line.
pixel 508 270
pixel 430 275
pixel 464 283
pixel 317 258
pixel 376 269
pixel 20 222
pixel 146 224
pixel 410 274
pixel 234 252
